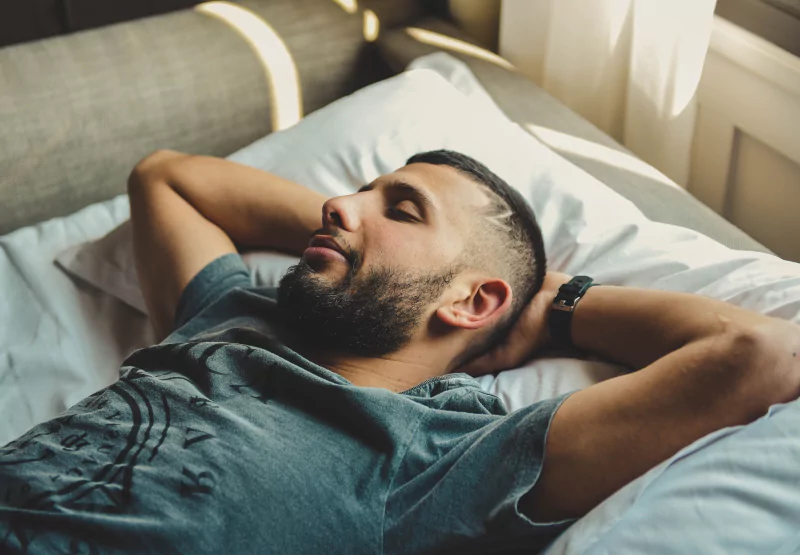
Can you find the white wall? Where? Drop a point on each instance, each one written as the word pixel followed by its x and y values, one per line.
pixel 746 149
pixel 764 196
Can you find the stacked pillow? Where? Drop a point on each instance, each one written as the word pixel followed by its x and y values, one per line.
pixel 588 229
pixel 731 492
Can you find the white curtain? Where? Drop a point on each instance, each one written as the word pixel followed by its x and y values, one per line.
pixel 631 67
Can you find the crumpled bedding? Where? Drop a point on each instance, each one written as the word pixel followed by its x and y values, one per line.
pixel 60 339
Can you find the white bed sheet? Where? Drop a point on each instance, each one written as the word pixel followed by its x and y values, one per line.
pixel 61 340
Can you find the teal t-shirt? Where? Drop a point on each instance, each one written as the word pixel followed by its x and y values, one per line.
pixel 221 439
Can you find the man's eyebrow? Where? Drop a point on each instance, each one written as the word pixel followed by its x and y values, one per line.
pixel 398 186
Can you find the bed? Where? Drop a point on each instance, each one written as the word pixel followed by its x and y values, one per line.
pixel 71 310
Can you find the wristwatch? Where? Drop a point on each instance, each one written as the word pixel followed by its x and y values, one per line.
pixel 559 320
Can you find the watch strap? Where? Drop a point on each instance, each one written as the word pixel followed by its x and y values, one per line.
pixel 563 307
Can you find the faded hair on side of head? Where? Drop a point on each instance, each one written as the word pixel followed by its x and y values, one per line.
pixel 506 241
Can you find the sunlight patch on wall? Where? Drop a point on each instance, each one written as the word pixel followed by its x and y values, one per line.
pixel 372 26
pixel 350 6
pixel 286 100
pixel 593 151
pixel 449 43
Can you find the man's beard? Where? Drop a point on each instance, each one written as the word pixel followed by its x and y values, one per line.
pixel 369 316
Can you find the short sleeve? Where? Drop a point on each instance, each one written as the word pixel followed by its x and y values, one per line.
pixel 212 282
pixel 462 491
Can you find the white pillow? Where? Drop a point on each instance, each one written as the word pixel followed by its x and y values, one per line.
pixel 733 492
pixel 587 227
pixel 109 264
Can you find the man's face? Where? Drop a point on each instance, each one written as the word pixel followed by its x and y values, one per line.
pixel 402 237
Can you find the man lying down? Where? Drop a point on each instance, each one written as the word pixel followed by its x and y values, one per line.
pixel 336 414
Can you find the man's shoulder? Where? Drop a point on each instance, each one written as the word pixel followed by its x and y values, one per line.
pixel 457 392
pixel 250 307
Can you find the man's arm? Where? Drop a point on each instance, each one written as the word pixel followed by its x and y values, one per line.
pixel 187 211
pixel 705 365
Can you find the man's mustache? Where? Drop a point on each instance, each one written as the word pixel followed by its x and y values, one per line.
pixel 352 255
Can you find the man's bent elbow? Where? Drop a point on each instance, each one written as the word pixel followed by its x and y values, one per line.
pixel 763 361
pixel 153 167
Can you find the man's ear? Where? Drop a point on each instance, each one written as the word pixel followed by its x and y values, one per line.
pixel 477 305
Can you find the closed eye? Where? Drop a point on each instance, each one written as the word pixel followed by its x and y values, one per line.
pixel 401 215
pixel 397 193
pixel 404 215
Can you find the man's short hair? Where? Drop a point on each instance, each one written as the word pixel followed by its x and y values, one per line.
pixel 507 241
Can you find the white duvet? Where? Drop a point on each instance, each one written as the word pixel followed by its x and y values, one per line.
pixel 61 339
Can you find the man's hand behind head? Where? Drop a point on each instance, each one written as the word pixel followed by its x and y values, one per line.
pixel 528 336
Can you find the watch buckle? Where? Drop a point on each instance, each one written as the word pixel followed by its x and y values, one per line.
pixel 562 305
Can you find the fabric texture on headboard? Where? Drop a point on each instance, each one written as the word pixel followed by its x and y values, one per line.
pixel 78 111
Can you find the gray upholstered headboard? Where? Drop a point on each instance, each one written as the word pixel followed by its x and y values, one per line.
pixel 77 112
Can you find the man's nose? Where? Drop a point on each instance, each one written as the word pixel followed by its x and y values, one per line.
pixel 341 212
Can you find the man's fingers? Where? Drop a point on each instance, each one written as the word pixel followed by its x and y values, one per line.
pixel 478 367
pixel 526 337
pixel 499 358
pixel 517 348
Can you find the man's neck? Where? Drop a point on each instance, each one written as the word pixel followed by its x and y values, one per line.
pixel 397 372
